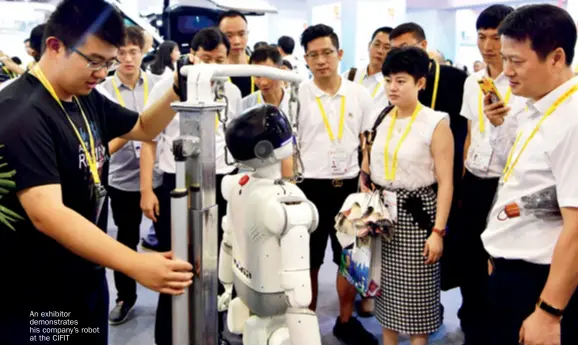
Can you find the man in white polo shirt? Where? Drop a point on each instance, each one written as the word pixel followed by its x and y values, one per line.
pixel 270 92
pixel 532 232
pixel 371 76
pixel 210 46
pixel 481 175
pixel 130 87
pixel 333 110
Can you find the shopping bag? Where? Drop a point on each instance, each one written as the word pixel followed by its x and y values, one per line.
pixel 361 225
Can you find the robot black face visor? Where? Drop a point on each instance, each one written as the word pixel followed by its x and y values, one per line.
pixel 258 133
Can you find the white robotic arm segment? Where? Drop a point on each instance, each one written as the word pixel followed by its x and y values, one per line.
pixel 199 77
pixel 227 185
pixel 288 212
pixel 225 269
pixel 295 277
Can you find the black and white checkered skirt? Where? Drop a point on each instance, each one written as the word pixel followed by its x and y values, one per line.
pixel 409 302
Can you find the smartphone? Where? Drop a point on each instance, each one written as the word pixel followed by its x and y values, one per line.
pixel 488 87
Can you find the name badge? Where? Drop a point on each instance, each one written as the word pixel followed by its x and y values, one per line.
pixel 481 157
pixel 390 201
pixel 99 199
pixel 338 161
pixel 137 146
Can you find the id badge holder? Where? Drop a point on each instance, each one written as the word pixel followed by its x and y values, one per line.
pixel 137 146
pixel 390 201
pixel 338 160
pixel 482 157
pixel 99 198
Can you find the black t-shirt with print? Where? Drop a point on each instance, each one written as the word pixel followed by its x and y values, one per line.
pixel 41 147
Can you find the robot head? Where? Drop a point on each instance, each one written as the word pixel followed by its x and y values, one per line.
pixel 261 136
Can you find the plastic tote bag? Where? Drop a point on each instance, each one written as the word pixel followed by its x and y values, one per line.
pixel 362 223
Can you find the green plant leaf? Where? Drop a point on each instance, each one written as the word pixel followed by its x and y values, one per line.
pixel 7 175
pixel 4 221
pixel 10 213
pixel 7 183
pixel 4 191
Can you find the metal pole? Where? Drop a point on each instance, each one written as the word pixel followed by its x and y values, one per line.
pixel 194 199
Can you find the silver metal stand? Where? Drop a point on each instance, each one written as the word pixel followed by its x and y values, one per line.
pixel 194 222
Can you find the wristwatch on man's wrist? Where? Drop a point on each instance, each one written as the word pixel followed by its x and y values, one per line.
pixel 549 308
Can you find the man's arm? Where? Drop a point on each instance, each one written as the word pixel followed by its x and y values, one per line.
pixel 563 278
pixel 44 207
pixel 155 118
pixel 149 202
pixel 116 144
pixel 43 204
pixel 467 143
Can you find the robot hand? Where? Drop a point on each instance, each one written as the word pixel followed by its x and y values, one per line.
pixel 225 298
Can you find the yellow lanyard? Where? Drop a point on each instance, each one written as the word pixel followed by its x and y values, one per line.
pixel 390 174
pixel 326 120
pixel 481 110
pixel 145 86
pixel 9 73
pixel 509 164
pixel 90 155
pixel 376 86
pixel 259 97
pixel 434 95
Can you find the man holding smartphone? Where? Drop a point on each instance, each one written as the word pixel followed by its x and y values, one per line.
pixel 532 231
pixel 482 169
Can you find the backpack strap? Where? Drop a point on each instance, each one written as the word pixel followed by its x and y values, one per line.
pixel 352 73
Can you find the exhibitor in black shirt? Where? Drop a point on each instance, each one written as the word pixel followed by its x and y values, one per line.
pixel 41 147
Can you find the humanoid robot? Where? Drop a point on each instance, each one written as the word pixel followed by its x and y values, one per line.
pixel 265 249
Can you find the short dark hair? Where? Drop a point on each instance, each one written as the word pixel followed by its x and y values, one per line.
pixel 287 64
pixel 73 20
pixel 287 44
pixel 317 31
pixel 260 44
pixel 209 39
pixel 384 29
pixel 264 53
pixel 493 16
pixel 411 60
pixel 27 40
pixel 230 14
pixel 408 28
pixel 547 27
pixel 134 35
pixel 36 42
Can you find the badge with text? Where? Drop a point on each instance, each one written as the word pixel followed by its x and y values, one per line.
pixel 338 161
pixel 99 197
pixel 482 155
pixel 137 146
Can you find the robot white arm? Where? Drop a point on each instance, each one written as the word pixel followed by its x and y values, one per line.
pixel 225 272
pixel 293 219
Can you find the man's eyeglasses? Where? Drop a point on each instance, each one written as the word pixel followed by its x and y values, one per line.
pixel 315 55
pixel 98 65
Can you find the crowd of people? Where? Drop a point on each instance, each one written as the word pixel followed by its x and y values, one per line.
pixel 480 186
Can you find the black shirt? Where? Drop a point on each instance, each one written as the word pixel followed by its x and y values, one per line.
pixel 244 84
pixel 40 145
pixel 449 100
